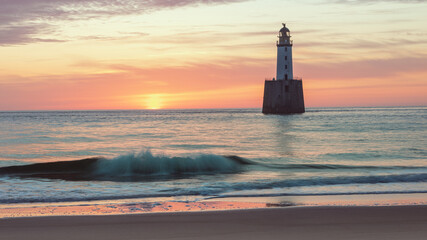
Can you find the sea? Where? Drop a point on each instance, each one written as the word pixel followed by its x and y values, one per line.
pixel 201 154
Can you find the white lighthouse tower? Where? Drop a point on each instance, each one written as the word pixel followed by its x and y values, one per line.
pixel 283 95
pixel 284 55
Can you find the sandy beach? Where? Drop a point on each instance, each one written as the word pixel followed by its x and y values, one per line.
pixel 394 222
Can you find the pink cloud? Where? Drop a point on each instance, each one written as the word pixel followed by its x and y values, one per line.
pixel 109 91
pixel 358 83
pixel 377 68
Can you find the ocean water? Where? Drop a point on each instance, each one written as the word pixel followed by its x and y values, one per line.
pixel 205 154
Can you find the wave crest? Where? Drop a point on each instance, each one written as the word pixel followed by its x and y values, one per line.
pixel 145 163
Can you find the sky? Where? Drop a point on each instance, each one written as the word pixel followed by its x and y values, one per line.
pixel 173 54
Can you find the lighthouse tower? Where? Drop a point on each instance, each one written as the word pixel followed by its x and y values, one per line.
pixel 284 54
pixel 283 95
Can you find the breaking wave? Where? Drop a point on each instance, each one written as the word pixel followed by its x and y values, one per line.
pixel 145 166
pixel 145 163
pixel 129 167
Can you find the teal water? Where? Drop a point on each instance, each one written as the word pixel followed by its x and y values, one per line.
pixel 178 153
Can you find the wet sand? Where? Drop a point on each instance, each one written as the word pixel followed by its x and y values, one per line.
pixel 394 222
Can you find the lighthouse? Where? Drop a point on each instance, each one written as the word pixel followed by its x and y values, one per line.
pixel 284 94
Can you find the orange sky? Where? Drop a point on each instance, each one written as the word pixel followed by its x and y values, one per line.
pixel 63 55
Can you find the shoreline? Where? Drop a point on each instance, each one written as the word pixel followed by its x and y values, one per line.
pixel 323 222
pixel 188 204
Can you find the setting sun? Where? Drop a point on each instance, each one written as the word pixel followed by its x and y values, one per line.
pixel 153 101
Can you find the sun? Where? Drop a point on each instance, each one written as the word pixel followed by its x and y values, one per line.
pixel 153 101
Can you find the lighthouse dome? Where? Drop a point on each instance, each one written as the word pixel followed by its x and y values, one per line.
pixel 284 29
pixel 284 32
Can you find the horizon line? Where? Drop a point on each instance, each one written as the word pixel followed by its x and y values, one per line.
pixel 178 109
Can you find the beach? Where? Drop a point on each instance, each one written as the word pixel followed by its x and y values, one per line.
pixel 391 222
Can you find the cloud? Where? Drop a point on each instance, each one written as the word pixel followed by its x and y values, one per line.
pixel 123 36
pixel 358 43
pixel 117 88
pixel 360 69
pixel 23 34
pixel 122 86
pixel 22 20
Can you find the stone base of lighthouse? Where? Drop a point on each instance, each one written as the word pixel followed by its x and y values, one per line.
pixel 283 97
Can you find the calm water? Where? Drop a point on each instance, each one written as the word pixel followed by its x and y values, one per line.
pixel 178 153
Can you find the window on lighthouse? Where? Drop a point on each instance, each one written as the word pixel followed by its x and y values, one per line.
pixel 286 57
